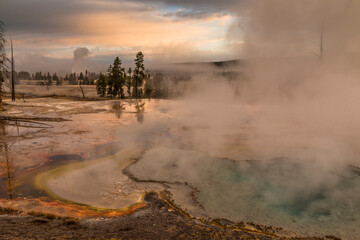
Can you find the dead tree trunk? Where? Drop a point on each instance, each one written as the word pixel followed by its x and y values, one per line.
pixel 1 93
pixel 82 91
pixel 12 73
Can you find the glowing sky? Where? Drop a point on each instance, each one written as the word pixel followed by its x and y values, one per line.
pixel 46 32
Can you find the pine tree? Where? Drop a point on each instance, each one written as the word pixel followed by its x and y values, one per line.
pixel 66 78
pixel 109 83
pixel 128 82
pixel 81 77
pixel 116 80
pixel 101 85
pixel 139 74
pixel 49 79
pixel 115 76
pixel 86 79
pixel 72 79
pixel 92 77
pixel 56 79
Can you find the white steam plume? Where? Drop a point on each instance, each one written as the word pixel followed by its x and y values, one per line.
pixel 80 59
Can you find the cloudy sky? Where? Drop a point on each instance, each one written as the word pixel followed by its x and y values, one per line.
pixel 47 32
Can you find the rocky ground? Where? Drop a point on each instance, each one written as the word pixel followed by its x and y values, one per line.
pixel 157 221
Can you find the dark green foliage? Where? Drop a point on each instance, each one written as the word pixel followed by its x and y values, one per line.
pixel 101 85
pixel 81 77
pixel 72 79
pixel 116 79
pixel 56 79
pixel 86 80
pixel 129 82
pixel 23 75
pixel 109 90
pixel 49 79
pixel 39 76
pixel 139 74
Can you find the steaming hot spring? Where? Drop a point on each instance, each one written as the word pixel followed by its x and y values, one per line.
pixel 307 197
pixel 297 196
pixel 283 193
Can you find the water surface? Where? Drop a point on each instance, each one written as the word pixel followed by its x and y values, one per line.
pixel 280 192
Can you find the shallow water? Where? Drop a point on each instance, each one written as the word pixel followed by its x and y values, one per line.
pixel 298 196
pixel 280 193
pixel 90 134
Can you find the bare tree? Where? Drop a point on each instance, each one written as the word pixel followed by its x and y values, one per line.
pixel 3 60
pixel 12 72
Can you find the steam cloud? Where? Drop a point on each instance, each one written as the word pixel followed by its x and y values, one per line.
pixel 81 52
pixel 295 104
pixel 309 104
pixel 80 62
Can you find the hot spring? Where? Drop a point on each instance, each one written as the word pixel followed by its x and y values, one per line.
pixel 305 191
pixel 281 192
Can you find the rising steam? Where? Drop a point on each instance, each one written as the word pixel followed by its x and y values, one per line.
pixel 309 103
pixel 80 59
pixel 298 103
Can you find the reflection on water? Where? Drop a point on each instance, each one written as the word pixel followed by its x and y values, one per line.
pixel 294 195
pixel 8 170
pixel 140 109
pixel 91 124
pixel 118 107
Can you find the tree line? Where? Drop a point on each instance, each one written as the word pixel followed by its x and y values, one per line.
pixel 119 82
pixel 113 82
pixel 88 78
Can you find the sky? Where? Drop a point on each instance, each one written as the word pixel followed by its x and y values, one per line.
pixel 47 32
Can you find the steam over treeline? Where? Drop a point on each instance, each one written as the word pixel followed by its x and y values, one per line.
pixel 170 81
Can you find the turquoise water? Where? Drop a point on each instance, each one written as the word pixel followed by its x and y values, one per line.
pixel 293 195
